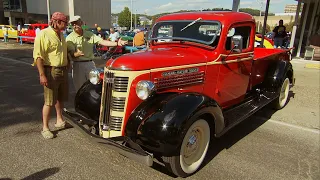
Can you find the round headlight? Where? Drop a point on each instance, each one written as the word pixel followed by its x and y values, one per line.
pixel 94 76
pixel 144 89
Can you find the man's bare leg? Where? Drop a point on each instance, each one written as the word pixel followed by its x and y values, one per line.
pixel 45 117
pixel 59 106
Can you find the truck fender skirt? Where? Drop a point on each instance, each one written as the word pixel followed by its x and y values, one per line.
pixel 159 123
pixel 123 145
pixel 277 72
pixel 88 99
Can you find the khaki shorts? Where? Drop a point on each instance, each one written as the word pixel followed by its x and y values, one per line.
pixel 58 88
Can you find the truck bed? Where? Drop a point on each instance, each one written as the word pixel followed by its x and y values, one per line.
pixel 263 53
pixel 262 58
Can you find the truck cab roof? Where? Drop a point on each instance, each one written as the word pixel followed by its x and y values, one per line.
pixel 222 16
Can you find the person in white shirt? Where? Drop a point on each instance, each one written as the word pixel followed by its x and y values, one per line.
pixel 37 31
pixel 114 36
pixel 5 33
pixel 19 27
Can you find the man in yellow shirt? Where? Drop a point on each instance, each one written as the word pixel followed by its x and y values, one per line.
pixel 50 57
pixel 80 47
pixel 138 39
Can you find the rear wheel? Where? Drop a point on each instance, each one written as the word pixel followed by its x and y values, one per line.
pixel 193 150
pixel 282 100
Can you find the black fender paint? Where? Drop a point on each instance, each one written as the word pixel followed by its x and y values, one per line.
pixel 88 99
pixel 160 123
pixel 276 74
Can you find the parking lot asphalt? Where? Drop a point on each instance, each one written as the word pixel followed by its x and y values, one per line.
pixel 269 145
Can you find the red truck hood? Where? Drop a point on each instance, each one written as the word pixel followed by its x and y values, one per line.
pixel 159 57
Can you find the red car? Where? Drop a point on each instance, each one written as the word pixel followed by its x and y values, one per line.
pixel 28 33
pixel 199 77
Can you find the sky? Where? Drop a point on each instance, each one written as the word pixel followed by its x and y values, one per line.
pixel 151 7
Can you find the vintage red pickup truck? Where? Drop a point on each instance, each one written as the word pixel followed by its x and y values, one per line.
pixel 199 76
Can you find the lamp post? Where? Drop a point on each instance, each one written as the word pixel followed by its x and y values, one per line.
pixel 135 20
pixel 131 15
pixel 48 9
pixel 261 4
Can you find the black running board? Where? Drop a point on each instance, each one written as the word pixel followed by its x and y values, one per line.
pixel 239 113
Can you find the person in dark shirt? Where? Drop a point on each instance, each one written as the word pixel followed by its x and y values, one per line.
pixel 279 34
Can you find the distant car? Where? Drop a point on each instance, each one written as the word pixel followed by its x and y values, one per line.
pixel 127 35
pixel 269 35
pixel 12 31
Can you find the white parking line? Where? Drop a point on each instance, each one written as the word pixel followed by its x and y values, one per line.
pixel 315 131
pixel 17 61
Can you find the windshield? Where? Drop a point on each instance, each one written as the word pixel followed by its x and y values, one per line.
pixel 205 32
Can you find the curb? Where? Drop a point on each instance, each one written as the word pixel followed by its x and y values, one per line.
pixel 312 66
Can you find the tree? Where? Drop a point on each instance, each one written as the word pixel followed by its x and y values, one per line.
pixel 289 26
pixel 268 28
pixel 124 18
pixel 137 20
pixel 154 18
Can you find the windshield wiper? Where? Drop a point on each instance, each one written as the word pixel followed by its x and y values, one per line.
pixel 192 23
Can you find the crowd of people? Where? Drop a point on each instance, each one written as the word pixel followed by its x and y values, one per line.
pixel 53 54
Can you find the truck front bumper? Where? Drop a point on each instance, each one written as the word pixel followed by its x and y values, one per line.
pixel 122 144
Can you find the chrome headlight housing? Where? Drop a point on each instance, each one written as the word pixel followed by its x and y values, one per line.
pixel 144 89
pixel 96 76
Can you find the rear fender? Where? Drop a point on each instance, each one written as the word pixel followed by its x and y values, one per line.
pixel 159 124
pixel 276 74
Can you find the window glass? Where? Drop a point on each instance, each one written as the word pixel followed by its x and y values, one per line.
pixel 204 32
pixel 244 31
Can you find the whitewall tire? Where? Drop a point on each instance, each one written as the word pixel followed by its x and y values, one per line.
pixel 193 150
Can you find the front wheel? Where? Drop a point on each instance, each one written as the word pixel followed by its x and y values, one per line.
pixel 193 150
pixel 282 100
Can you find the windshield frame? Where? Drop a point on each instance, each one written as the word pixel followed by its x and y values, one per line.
pixel 183 38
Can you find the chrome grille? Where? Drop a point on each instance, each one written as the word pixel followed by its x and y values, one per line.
pixel 118 103
pixel 115 123
pixel 108 84
pixel 179 80
pixel 120 84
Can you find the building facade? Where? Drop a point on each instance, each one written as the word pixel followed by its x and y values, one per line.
pixel 292 8
pixel 35 11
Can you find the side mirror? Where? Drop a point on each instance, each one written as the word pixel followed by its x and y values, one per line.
pixel 236 43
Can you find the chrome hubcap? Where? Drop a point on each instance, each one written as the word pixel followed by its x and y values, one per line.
pixel 191 151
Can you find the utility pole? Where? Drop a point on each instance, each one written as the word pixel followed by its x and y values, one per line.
pixel 48 9
pixel 261 5
pixel 265 22
pixel 135 20
pixel 131 15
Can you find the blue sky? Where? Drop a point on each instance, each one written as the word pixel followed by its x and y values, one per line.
pixel 151 7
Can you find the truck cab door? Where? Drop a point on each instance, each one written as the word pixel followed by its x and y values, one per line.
pixel 235 66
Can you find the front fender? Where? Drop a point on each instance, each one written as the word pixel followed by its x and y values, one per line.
pixel 88 99
pixel 159 124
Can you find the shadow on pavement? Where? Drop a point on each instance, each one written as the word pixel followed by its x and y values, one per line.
pixel 21 95
pixel 39 175
pixel 42 174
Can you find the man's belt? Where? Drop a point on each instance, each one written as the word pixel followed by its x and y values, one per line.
pixel 82 61
pixel 56 67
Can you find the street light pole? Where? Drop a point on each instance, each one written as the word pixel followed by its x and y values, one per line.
pixel 261 4
pixel 135 20
pixel 131 15
pixel 48 9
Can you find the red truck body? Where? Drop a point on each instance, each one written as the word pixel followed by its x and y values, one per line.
pixel 200 75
